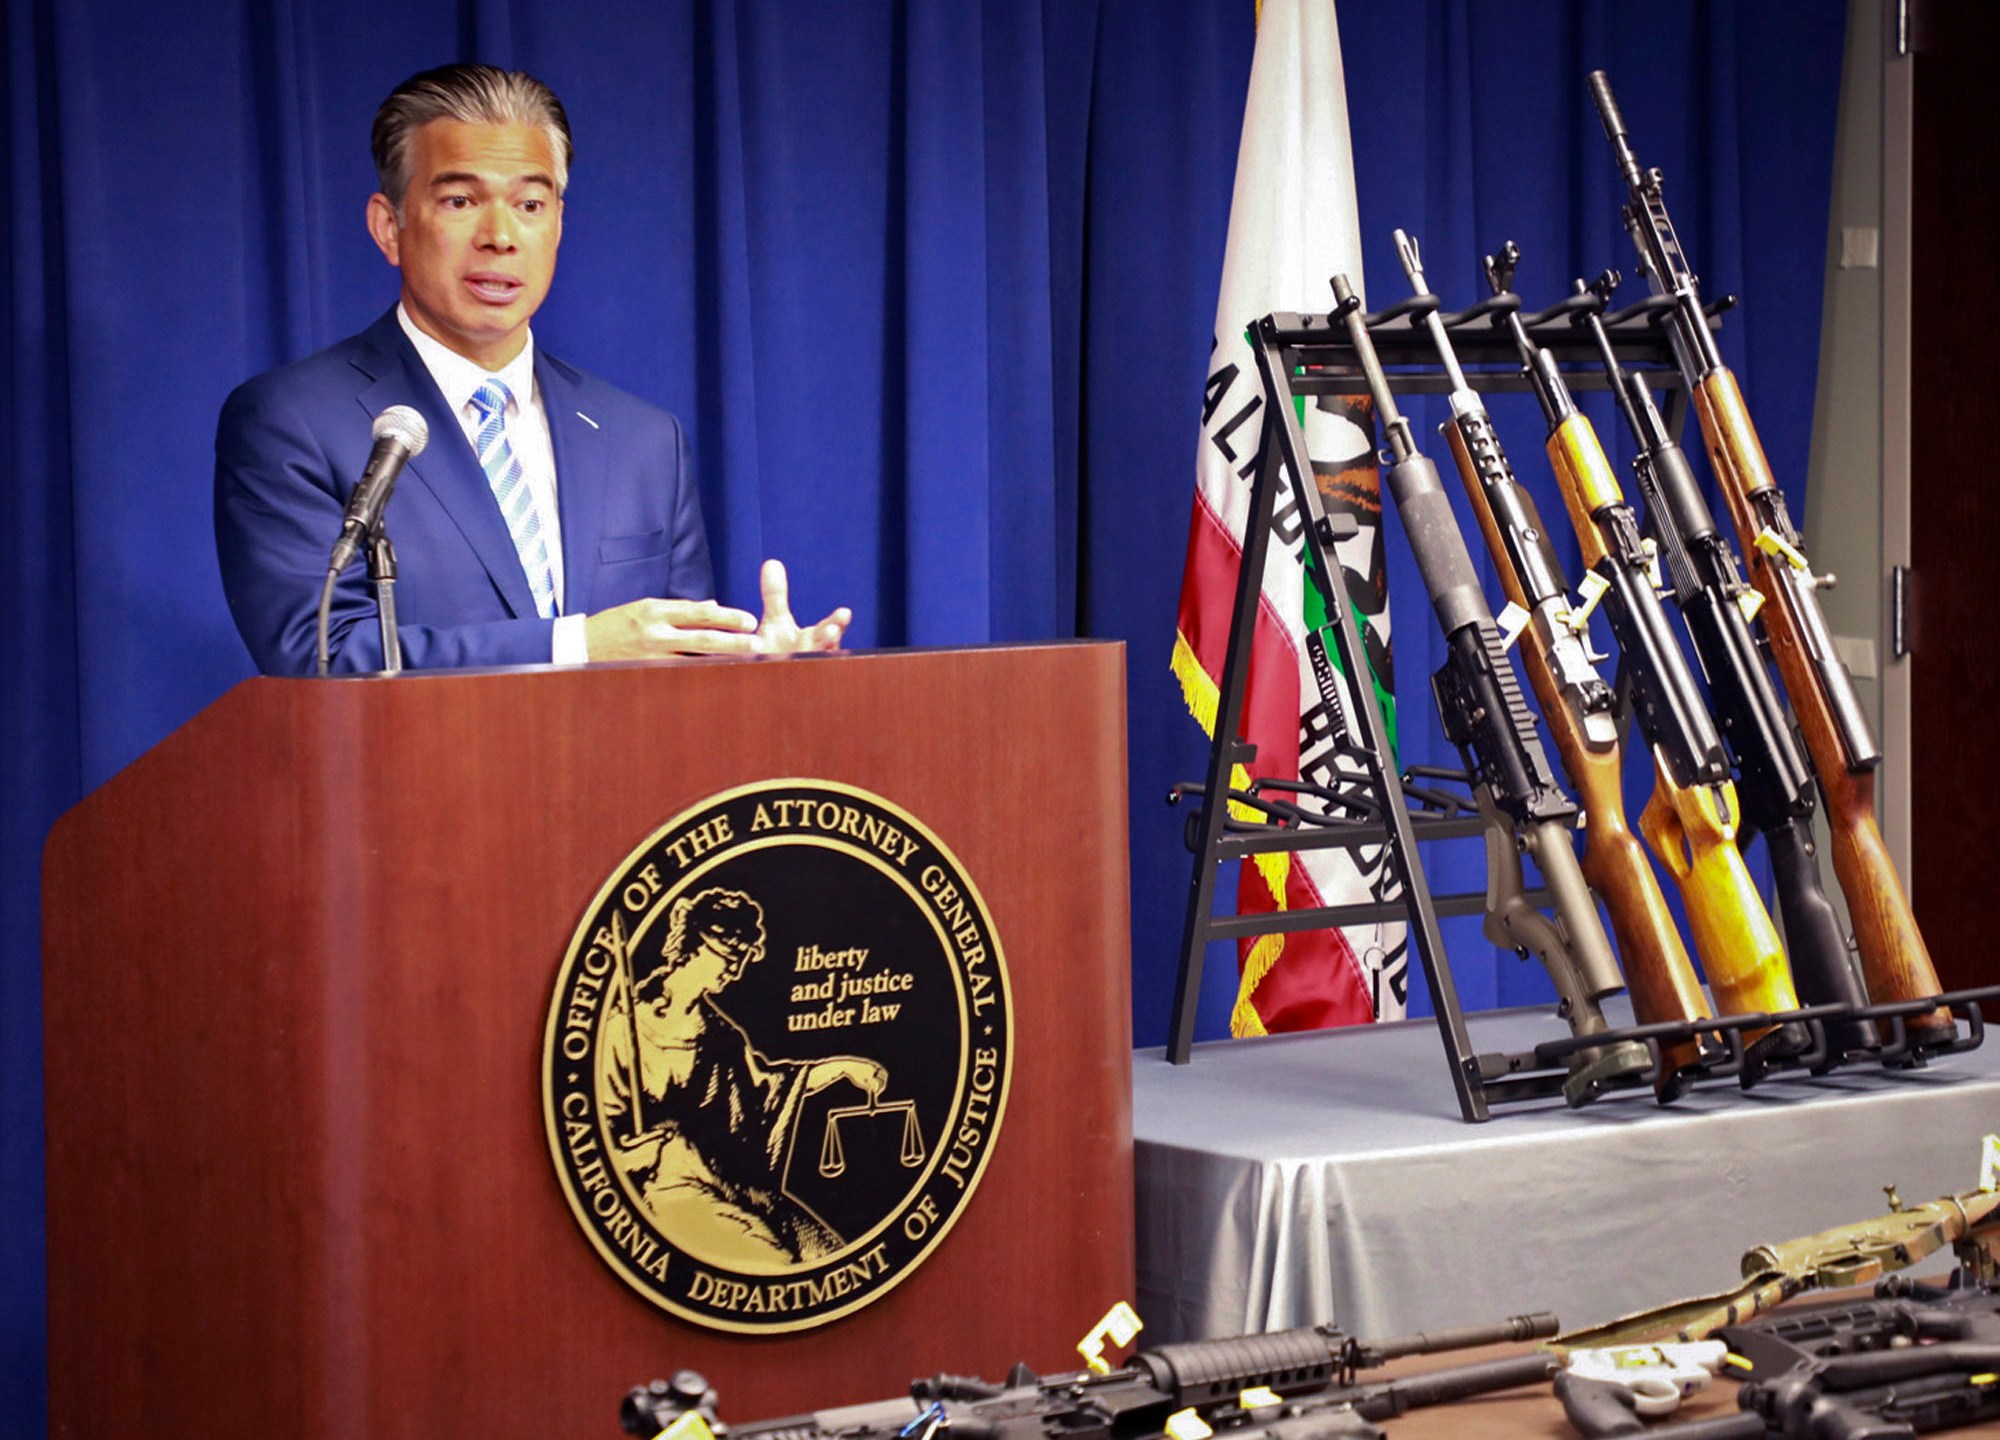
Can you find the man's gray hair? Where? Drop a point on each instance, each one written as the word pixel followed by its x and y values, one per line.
pixel 475 95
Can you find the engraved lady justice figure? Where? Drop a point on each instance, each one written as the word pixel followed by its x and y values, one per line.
pixel 707 1147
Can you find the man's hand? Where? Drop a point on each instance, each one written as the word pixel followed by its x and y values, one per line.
pixel 779 634
pixel 643 629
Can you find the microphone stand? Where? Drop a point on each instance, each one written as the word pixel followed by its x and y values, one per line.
pixel 382 574
pixel 400 433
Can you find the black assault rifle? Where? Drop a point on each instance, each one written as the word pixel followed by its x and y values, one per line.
pixel 1289 1385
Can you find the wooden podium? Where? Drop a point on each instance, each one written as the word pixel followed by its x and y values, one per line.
pixel 298 962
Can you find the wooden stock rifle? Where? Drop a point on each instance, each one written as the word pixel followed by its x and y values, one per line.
pixel 1773 777
pixel 1690 822
pixel 1577 707
pixel 1894 960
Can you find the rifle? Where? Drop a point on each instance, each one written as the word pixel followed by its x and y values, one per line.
pixel 1844 754
pixel 1855 1254
pixel 1903 1312
pixel 1479 701
pixel 1915 1359
pixel 1690 821
pixel 1577 706
pixel 1874 1396
pixel 1774 779
pixel 1290 1385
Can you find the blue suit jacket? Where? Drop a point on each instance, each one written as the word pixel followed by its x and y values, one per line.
pixel 292 443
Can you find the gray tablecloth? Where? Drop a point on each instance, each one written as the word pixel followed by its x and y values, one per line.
pixel 1327 1177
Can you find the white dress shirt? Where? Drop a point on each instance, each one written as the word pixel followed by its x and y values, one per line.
pixel 528 436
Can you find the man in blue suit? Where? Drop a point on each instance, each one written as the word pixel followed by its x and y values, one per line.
pixel 550 517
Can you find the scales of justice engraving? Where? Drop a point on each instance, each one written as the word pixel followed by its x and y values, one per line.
pixel 833 1158
pixel 710 1123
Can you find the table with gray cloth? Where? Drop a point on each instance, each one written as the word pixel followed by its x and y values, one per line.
pixel 1300 1179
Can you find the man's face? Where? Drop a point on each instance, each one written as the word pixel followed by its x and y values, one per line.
pixel 478 235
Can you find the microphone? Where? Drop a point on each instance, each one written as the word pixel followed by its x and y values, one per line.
pixel 400 433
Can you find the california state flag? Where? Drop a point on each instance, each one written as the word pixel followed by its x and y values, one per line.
pixel 1292 227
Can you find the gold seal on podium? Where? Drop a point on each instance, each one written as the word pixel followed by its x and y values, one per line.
pixel 777 1056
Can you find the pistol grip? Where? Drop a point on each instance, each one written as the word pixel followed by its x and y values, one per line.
pixel 1598 1408
pixel 1692 830
pixel 1511 921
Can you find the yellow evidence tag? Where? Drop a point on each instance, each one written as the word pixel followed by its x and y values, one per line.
pixel 689 1427
pixel 1119 1325
pixel 1778 547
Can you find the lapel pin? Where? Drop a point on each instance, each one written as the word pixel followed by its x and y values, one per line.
pixel 588 421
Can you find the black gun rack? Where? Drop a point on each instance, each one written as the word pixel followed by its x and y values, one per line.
pixel 1374 804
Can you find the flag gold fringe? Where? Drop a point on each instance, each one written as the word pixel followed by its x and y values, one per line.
pixel 1244 1021
pixel 1203 700
pixel 1197 689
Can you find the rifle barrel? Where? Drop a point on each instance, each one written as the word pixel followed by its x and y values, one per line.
pixel 1515 1329
pixel 1390 1398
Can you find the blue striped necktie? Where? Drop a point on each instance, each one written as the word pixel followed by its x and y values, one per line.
pixel 516 496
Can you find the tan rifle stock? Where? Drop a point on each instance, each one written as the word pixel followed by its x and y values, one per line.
pixel 1691 828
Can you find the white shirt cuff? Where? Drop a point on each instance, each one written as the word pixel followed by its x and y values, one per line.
pixel 568 646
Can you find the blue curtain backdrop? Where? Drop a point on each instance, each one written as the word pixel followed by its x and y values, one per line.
pixel 931 282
